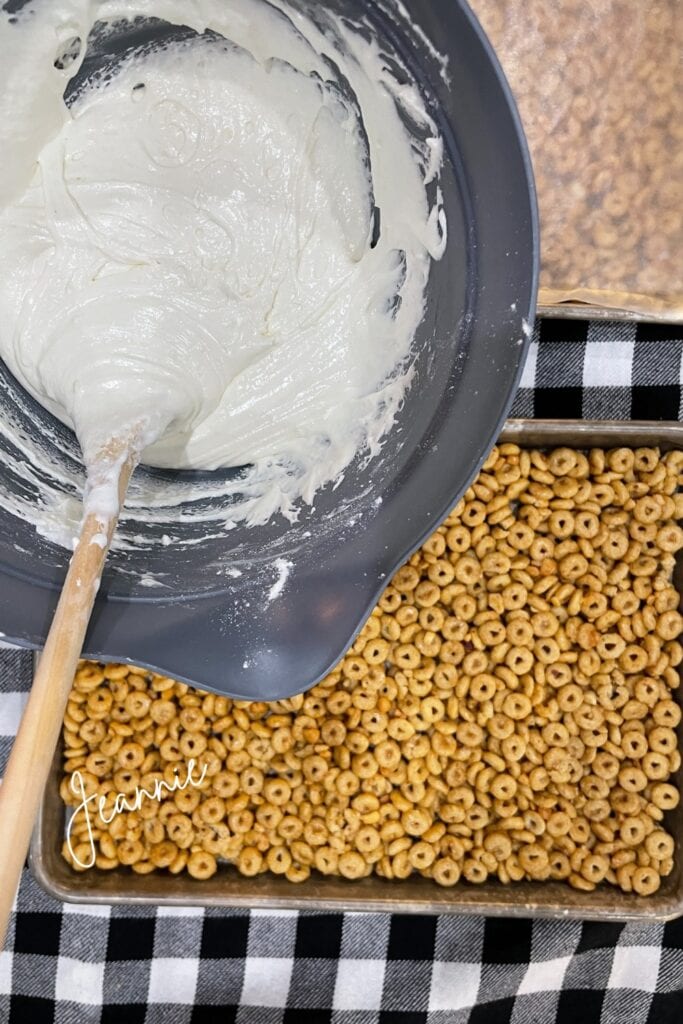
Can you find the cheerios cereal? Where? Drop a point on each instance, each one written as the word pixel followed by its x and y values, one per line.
pixel 507 711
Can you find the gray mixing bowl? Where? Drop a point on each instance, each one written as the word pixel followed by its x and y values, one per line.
pixel 215 621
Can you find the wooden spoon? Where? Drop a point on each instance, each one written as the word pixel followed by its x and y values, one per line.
pixel 29 763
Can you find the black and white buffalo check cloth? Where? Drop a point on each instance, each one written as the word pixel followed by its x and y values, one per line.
pixel 162 965
pixel 600 370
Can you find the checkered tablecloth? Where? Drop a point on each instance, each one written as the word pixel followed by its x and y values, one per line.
pixel 128 965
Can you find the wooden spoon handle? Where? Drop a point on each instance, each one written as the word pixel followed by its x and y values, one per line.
pixel 29 763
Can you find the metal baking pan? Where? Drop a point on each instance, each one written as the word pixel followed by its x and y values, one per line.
pixel 417 896
pixel 585 311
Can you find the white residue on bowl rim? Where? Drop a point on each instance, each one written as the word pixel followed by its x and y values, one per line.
pixel 283 569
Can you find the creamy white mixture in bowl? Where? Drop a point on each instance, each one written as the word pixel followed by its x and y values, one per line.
pixel 294 243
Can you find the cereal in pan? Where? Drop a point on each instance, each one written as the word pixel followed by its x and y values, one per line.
pixel 507 711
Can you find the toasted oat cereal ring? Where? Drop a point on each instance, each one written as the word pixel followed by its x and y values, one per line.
pixel 495 563
pixel 634 745
pixel 470 734
pixel 137 704
pixel 547 652
pixel 645 881
pixel 98 764
pixel 115 671
pixel 473 514
pixel 326 860
pixel 406 579
pixel 89 675
pixel 126 781
pixel 92 732
pixel 656 766
pixel 376 651
pixel 498 844
pixel 632 831
pixel 669 625
pixel 544 624
pixel 130 755
pixel 108 847
pixel 621 460
pixel 446 872
pixel 625 603
pixel 593 605
pixel 80 858
pixel 179 862
pixel 659 845
pixel 290 827
pixel 615 545
pixel 153 831
pixel 467 569
pixel 129 851
pixel 492 633
pixel 594 867
pixel 647 510
pixel 665 796
pixel 212 810
pixel 558 864
pixel 170 750
pixel 562 461
pixel 277 791
pixel 516 706
pixel 163 712
pixel 298 873
pixel 558 675
pixel 458 539
pixel 316 833
pixel 441 572
pixel 250 861
pixel 513 748
pixel 474 871
pixel 555 734
pixel 632 779
pixel 192 719
pixel 533 859
pixel 201 865
pixel 367 840
pixel 667 713
pixel 633 659
pixel 225 784
pixel 610 646
pixel 625 875
pixel 558 824
pixel 515 596
pixel 670 538
pixel 278 860
pixel 180 830
pixel 561 524
pixel 416 821
pixel 503 787
pixel 573 566
pixel 500 726
pixel 99 704
pixel 427 594
pixel 390 600
pixel 662 740
pixel 483 687
pixel 351 865
pixel 477 817
pixel 110 863
pixel 520 660
pixel 589 716
pixel 475 662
